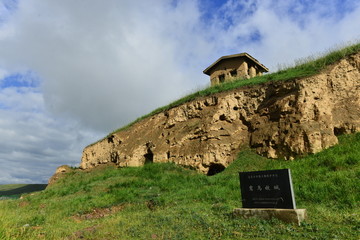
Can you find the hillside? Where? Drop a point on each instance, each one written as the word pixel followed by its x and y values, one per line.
pixel 165 201
pixel 292 113
pixel 18 189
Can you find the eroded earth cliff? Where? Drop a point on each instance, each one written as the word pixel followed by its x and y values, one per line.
pixel 278 119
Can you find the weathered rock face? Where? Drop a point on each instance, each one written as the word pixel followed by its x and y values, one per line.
pixel 281 119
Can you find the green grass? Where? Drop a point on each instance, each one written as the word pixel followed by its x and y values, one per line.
pixel 7 187
pixel 166 201
pixel 15 190
pixel 302 68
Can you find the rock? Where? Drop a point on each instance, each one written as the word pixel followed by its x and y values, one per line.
pixel 59 173
pixel 278 119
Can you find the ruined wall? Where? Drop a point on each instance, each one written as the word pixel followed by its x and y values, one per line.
pixel 234 68
pixel 230 69
pixel 281 119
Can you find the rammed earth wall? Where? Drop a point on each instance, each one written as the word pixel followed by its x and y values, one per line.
pixel 279 119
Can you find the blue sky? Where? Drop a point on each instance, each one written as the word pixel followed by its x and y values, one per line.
pixel 72 71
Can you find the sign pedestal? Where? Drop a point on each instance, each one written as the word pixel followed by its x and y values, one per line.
pixel 286 215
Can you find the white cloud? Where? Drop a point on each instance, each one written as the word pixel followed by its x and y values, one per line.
pixel 106 64
pixel 288 30
pixel 102 64
pixel 3 74
pixel 32 143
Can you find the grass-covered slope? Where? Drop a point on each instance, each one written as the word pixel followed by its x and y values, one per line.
pixel 18 189
pixel 166 201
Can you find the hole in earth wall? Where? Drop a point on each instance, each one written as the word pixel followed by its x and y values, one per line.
pixel 111 139
pixel 222 78
pixel 215 168
pixel 149 157
pixel 339 131
pixel 233 73
pixel 222 117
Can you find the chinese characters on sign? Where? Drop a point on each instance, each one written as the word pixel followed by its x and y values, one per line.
pixel 267 189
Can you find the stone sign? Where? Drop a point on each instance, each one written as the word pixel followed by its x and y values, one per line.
pixel 267 189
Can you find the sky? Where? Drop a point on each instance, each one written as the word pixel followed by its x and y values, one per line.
pixel 72 71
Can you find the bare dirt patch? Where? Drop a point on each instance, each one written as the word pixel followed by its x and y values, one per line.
pixel 98 213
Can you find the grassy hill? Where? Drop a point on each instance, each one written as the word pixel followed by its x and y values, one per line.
pixel 15 190
pixel 165 201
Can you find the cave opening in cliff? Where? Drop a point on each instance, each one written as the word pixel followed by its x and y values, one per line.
pixel 339 131
pixel 215 168
pixel 149 157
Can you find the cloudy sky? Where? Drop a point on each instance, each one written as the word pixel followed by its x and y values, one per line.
pixel 71 71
